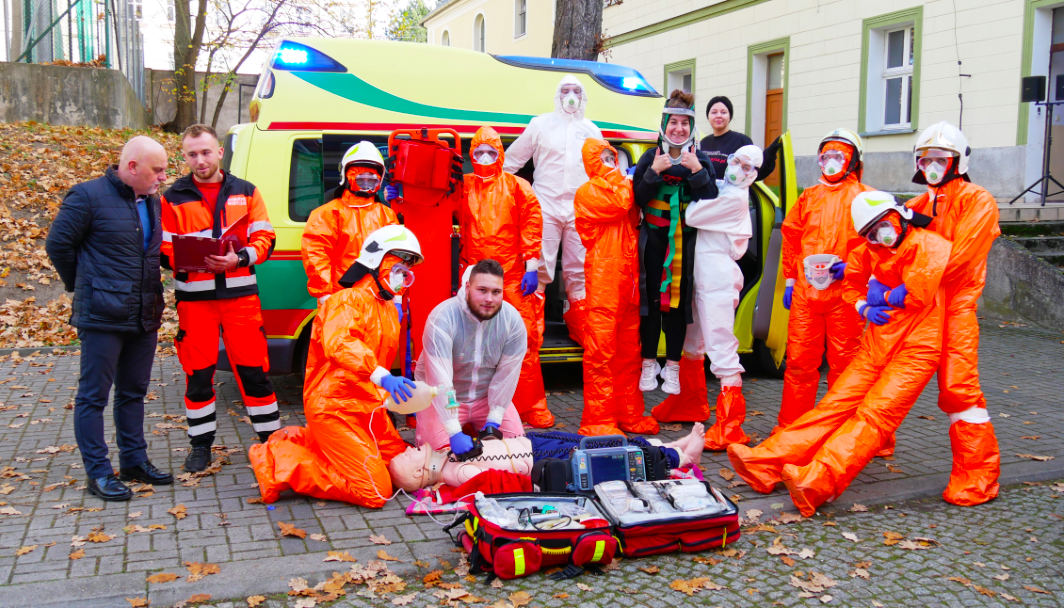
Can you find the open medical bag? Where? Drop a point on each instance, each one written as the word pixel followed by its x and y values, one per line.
pixel 516 534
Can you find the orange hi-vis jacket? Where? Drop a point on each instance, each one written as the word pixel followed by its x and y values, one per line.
pixel 333 237
pixel 185 212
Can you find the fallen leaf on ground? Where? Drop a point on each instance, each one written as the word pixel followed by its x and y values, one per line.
pixel 652 569
pixel 136 514
pixel 1009 597
pixel 405 599
pixel 895 470
pixel 1035 589
pixel 178 511
pixel 752 591
pixel 380 540
pixel 162 578
pixel 561 595
pixel 858 572
pixel 727 474
pixel 199 570
pixel 787 560
pixel 138 602
pixel 1035 457
pixel 826 598
pixel 851 536
pixel 255 601
pixel 305 602
pixel 877 604
pixel 585 587
pixel 290 530
pixel 1030 438
pixel 891 538
pixel 1002 577
pixel 98 536
pixel 381 554
pixel 340 557
pixel 25 550
pixel 77 554
pixel 857 507
pixel 520 598
pixel 814 582
pixel 984 591
pixel 318 537
pixel 198 598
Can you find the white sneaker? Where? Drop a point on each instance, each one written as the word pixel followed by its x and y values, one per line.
pixel 648 378
pixel 671 374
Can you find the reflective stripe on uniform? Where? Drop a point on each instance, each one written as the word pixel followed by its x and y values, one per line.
pixel 237 282
pixel 267 426
pixel 199 430
pixel 202 285
pixel 252 255
pixel 267 409
pixel 260 225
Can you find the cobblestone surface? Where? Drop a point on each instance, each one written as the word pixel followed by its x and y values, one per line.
pixel 1021 377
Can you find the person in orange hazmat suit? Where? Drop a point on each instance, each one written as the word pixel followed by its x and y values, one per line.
pixel 607 220
pixel 333 236
pixel 823 450
pixel 500 219
pixel 818 224
pixel 967 215
pixel 344 450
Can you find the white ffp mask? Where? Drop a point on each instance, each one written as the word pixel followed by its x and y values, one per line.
pixel 832 167
pixel 571 102
pixel 935 172
pixel 734 175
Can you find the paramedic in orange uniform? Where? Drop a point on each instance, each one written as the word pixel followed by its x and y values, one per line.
pixel 500 219
pixel 210 202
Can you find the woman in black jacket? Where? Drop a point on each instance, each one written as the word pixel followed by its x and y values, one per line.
pixel 724 142
pixel 666 180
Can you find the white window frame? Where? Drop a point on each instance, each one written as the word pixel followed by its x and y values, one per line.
pixel 877 58
pixel 480 38
pixel 520 19
pixel 676 77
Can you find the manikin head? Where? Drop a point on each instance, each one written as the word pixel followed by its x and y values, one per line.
pixel 417 468
pixel 484 289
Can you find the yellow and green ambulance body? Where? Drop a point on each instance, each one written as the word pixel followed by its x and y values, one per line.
pixel 317 97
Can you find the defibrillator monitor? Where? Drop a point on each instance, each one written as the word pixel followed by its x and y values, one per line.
pixel 594 465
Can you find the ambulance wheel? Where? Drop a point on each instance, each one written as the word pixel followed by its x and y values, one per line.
pixel 766 363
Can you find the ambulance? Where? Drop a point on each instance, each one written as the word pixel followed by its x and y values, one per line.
pixel 316 97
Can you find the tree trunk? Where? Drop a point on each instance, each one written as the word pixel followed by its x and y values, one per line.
pixel 187 43
pixel 577 29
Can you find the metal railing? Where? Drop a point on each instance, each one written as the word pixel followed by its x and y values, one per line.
pixel 97 33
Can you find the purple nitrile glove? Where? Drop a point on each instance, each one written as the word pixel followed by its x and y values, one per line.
pixel 400 387
pixel 838 270
pixel 877 293
pixel 529 283
pixel 461 444
pixel 876 315
pixel 788 295
pixel 896 297
pixel 391 192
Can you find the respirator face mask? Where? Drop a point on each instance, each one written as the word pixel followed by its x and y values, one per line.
pixel 934 164
pixel 401 277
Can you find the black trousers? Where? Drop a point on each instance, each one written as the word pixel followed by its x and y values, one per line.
pixel 122 359
pixel 674 322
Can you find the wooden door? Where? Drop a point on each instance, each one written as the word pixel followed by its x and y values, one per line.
pixel 773 126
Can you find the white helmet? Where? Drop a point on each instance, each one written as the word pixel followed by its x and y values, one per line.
pixel 847 137
pixel 394 239
pixel 870 207
pixel 944 136
pixel 364 154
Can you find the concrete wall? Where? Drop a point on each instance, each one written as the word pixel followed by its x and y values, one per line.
pixel 158 84
pixel 59 95
pixel 1021 286
pixel 824 70
pixel 999 170
pixel 457 19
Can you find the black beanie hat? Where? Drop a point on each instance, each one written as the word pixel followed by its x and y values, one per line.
pixel 723 100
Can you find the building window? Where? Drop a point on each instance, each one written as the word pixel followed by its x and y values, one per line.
pixel 138 8
pixel 890 72
pixel 445 39
pixel 170 12
pixel 520 18
pixel 479 35
pixel 680 75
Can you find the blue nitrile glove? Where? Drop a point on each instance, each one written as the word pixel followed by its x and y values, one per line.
pixel 788 294
pixel 461 443
pixel 896 297
pixel 631 170
pixel 876 315
pixel 391 192
pixel 401 388
pixel 399 307
pixel 877 293
pixel 529 283
pixel 838 270
pixel 489 425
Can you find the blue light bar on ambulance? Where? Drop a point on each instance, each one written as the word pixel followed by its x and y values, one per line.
pixel 294 57
pixel 610 75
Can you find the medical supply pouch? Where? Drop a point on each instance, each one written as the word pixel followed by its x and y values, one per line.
pixel 516 534
pixel 428 167
pixel 662 516
pixel 603 458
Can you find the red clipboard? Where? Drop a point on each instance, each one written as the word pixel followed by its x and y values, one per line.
pixel 190 251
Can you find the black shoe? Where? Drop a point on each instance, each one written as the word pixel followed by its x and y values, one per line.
pixel 110 488
pixel 264 437
pixel 198 459
pixel 146 473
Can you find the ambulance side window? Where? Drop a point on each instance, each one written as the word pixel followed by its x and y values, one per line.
pixel 227 150
pixel 306 184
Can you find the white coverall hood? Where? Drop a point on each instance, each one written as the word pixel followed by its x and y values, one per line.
pixel 480 360
pixel 569 79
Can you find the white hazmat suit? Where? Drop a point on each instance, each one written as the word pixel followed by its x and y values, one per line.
pixel 480 360
pixel 554 142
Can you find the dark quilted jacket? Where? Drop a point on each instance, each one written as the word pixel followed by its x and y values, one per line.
pixel 95 245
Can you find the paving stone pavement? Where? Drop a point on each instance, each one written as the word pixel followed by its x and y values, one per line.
pixel 1021 377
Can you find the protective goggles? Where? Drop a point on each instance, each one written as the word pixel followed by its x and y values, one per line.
pixel 745 165
pixel 830 155
pixel 403 271
pixel 930 156
pixel 874 234
pixel 367 181
pixel 408 257
pixel 485 154
pixel 608 158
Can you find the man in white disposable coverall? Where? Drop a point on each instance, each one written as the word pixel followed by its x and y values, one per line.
pixel 554 142
pixel 724 230
pixel 474 343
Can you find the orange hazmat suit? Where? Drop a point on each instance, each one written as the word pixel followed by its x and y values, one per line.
pixel 344 450
pixel 607 220
pixel 819 454
pixel 967 215
pixel 819 224
pixel 333 236
pixel 500 219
